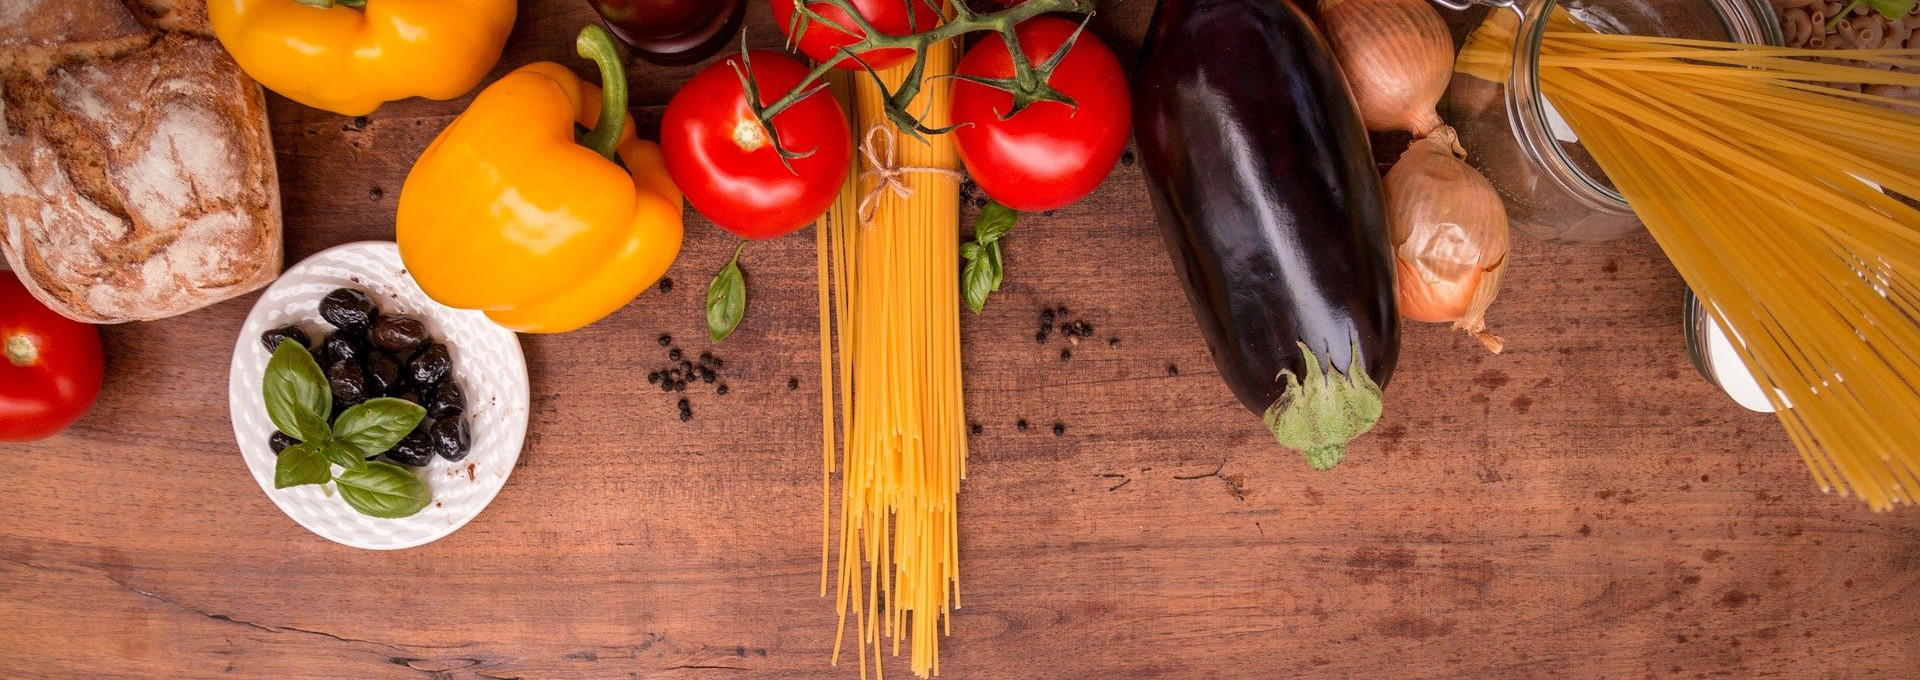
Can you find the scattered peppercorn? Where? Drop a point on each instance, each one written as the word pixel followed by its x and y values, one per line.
pixel 653 378
pixel 1020 425
pixel 1059 429
pixel 1066 354
pixel 1113 342
pixel 1046 213
pixel 707 375
pixel 974 428
pixel 721 390
pixel 1040 336
pixel 674 354
pixel 666 285
pixel 686 416
pixel 1046 317
pixel 1173 370
pixel 1126 157
pixel 793 383
pixel 665 340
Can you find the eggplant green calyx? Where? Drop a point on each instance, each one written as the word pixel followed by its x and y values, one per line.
pixel 1317 415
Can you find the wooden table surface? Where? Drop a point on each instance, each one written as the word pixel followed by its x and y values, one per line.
pixel 1584 506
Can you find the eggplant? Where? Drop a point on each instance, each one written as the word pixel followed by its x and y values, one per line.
pixel 1265 188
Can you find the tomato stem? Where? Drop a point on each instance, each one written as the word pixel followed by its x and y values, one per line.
pixel 21 350
pixel 1028 85
pixel 597 44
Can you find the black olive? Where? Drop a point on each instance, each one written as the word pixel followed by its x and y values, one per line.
pixel 339 346
pixel 273 337
pixel 447 400
pixel 399 334
pixel 415 449
pixel 430 365
pixel 451 438
pixel 348 381
pixel 406 392
pixel 280 441
pixel 383 374
pixel 349 309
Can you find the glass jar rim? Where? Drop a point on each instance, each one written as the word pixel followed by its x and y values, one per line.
pixel 1748 21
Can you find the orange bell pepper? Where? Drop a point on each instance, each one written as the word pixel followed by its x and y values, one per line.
pixel 349 56
pixel 506 213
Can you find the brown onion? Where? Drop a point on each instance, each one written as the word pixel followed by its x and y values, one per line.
pixel 1450 236
pixel 1397 56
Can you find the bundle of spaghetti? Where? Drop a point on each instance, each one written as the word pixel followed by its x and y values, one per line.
pixel 1768 188
pixel 896 301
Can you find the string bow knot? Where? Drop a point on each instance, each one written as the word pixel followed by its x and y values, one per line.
pixel 887 176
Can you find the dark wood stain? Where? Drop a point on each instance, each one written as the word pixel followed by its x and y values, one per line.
pixel 630 545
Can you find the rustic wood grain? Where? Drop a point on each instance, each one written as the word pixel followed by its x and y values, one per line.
pixel 1584 506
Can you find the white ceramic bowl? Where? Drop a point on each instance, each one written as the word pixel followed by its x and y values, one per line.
pixel 486 360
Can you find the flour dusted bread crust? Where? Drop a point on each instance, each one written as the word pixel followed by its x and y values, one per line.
pixel 136 171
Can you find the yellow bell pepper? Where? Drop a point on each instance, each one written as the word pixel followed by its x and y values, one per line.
pixel 506 213
pixel 349 56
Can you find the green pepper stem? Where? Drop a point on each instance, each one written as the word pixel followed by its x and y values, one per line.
pixel 597 44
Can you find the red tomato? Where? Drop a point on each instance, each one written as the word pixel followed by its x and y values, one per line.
pixel 822 41
pixel 51 366
pixel 724 161
pixel 1050 154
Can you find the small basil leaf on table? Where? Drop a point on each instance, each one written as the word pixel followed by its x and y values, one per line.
pixel 300 464
pixel 383 490
pixel 343 455
pixel 994 221
pixel 727 298
pixel 976 281
pixel 372 427
pixel 298 399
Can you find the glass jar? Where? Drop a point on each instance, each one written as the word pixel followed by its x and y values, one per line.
pixel 1552 188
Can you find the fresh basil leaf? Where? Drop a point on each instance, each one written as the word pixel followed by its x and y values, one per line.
pixel 372 427
pixel 1893 10
pixel 726 299
pixel 994 221
pixel 976 281
pixel 970 250
pixel 343 455
pixel 383 490
pixel 300 464
pixel 298 399
pixel 993 260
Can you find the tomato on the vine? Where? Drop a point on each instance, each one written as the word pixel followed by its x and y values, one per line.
pixel 50 366
pixel 725 162
pixel 821 42
pixel 1049 154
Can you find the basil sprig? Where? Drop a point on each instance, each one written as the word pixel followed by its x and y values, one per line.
pixel 727 298
pixel 298 401
pixel 984 269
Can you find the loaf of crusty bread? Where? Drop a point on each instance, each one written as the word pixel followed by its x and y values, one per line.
pixel 136 171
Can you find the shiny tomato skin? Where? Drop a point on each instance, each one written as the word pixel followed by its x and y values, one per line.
pixel 1050 154
pixel 50 366
pixel 742 186
pixel 820 42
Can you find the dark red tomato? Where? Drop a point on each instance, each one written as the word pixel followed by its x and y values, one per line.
pixel 50 366
pixel 725 162
pixel 1050 154
pixel 821 42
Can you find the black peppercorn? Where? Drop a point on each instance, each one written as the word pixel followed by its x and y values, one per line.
pixel 1020 425
pixel 1046 317
pixel 706 358
pixel 707 375
pixel 653 378
pixel 685 405
pixel 721 390
pixel 686 416
pixel 1040 337
pixel 666 285
pixel 666 385
pixel 793 383
pixel 1059 429
pixel 665 340
pixel 674 354
pixel 1173 370
pixel 1066 354
pixel 1113 342
pixel 975 428
pixel 1126 157
pixel 680 386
